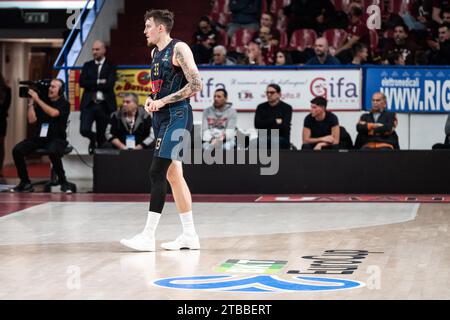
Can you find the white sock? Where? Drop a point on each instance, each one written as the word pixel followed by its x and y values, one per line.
pixel 188 223
pixel 152 223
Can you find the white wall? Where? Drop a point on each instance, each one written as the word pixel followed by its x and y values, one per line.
pixel 422 133
pixel 415 131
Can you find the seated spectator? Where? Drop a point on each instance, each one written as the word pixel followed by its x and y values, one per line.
pixel 357 31
pixel 129 127
pixel 203 50
pixel 376 129
pixel 439 6
pixel 267 21
pixel 205 30
pixel 315 14
pixel 360 53
pixel 402 43
pixel 219 123
pixel 321 127
pixel 275 114
pixel 245 14
pixel 419 15
pixel 395 58
pixel 220 57
pixel 442 55
pixel 446 144
pixel 264 39
pixel 283 58
pixel 253 55
pixel 51 117
pixel 446 15
pixel 322 55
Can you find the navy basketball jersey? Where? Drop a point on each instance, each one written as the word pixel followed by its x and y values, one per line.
pixel 166 78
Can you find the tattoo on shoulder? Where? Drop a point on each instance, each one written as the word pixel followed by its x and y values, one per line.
pixel 192 75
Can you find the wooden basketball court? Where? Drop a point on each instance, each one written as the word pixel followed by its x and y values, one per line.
pixel 253 248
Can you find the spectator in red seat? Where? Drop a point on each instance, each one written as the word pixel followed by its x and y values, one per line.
pixel 283 58
pixel 205 30
pixel 439 6
pixel 245 14
pixel 360 53
pixel 357 31
pixel 264 39
pixel 220 57
pixel 446 15
pixel 395 58
pixel 442 55
pixel 267 21
pixel 322 56
pixel 203 51
pixel 419 15
pixel 314 14
pixel 402 43
pixel 253 55
pixel 376 129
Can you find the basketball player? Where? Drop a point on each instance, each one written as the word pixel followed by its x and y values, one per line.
pixel 175 78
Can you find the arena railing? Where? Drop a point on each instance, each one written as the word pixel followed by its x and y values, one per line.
pixel 76 39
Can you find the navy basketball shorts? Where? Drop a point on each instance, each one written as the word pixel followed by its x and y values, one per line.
pixel 172 125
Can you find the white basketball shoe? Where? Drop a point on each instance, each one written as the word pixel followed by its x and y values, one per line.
pixel 183 242
pixel 140 242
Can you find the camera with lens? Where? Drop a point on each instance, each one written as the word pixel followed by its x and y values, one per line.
pixel 40 86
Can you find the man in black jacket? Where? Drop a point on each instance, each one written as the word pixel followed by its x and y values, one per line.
pixel 376 129
pixel 442 56
pixel 130 126
pixel 97 78
pixel 275 114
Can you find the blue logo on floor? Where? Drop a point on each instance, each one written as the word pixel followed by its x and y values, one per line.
pixel 261 283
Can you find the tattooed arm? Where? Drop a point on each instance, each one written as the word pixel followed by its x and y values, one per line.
pixel 183 58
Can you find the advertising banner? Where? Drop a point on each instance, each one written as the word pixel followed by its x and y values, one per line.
pixel 411 90
pixel 246 88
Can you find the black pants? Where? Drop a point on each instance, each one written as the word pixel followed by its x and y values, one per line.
pixel 56 152
pixel 99 113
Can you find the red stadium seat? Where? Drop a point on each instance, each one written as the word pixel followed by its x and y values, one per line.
pixel 399 6
pixel 281 22
pixel 374 40
pixel 221 18
pixel 220 6
pixel 340 5
pixel 388 34
pixel 278 5
pixel 302 39
pixel 223 38
pixel 240 39
pixel 283 40
pixel 335 37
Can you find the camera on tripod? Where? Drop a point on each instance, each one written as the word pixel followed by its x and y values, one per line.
pixel 40 86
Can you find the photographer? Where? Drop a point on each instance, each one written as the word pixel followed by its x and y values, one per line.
pixel 51 118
